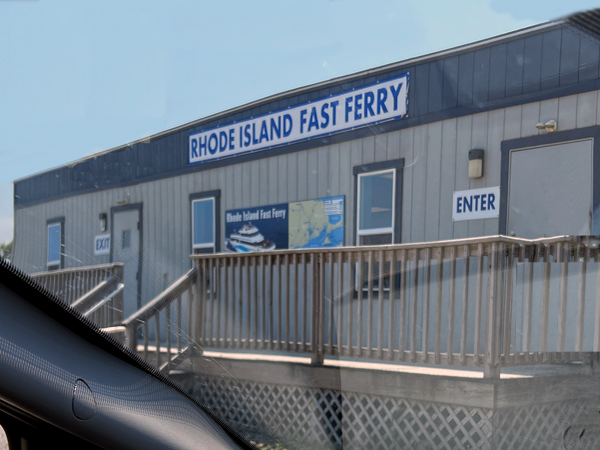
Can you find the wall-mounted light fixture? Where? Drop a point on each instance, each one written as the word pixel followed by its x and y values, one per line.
pixel 549 126
pixel 476 163
pixel 103 218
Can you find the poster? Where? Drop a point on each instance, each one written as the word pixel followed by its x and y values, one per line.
pixel 259 229
pixel 316 223
pixel 309 224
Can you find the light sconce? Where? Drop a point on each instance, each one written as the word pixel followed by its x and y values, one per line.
pixel 475 163
pixel 549 126
pixel 103 221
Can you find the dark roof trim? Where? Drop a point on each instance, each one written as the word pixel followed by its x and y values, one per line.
pixel 384 127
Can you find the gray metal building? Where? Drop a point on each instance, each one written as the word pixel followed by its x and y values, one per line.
pixel 528 99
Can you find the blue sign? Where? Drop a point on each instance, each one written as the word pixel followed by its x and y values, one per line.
pixel 385 100
pixel 309 224
pixel 257 229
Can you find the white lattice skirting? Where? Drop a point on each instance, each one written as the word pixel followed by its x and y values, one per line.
pixel 299 417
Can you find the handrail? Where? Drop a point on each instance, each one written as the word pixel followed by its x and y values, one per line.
pixel 590 241
pixel 103 302
pixel 119 329
pixel 436 307
pixel 158 302
pixel 168 305
pixel 108 266
pixel 469 302
pixel 73 283
pixel 94 294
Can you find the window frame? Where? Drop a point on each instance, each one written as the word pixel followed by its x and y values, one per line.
pixel 205 196
pixel 558 137
pixel 397 166
pixel 54 265
pixel 375 231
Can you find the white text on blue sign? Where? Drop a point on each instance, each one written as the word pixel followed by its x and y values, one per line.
pixel 383 101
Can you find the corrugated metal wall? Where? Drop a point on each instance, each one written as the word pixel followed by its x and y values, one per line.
pixel 435 165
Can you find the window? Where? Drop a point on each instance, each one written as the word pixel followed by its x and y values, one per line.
pixel 203 218
pixel 378 210
pixel 205 222
pixel 55 241
pixel 126 239
pixel 376 198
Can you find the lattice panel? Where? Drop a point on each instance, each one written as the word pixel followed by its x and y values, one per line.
pixel 397 423
pixel 316 418
pixel 258 411
pixel 569 425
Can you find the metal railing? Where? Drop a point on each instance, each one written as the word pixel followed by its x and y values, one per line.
pixel 95 291
pixel 103 305
pixel 483 302
pixel 71 284
pixel 163 322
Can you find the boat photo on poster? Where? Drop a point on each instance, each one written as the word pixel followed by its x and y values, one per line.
pixel 308 224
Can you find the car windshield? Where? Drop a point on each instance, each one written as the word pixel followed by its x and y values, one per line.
pixel 333 224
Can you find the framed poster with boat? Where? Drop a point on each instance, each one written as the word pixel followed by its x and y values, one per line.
pixel 307 224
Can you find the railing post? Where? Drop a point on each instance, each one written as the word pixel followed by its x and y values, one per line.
pixel 491 362
pixel 198 307
pixel 317 357
pixel 131 337
pixel 119 272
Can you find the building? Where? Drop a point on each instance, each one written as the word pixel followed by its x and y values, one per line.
pixel 493 137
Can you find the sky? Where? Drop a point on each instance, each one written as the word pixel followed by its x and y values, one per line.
pixel 78 77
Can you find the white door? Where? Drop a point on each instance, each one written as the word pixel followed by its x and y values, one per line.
pixel 550 190
pixel 126 249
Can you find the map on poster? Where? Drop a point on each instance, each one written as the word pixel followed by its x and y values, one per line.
pixel 317 223
pixel 309 224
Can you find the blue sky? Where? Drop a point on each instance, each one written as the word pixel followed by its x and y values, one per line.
pixel 79 77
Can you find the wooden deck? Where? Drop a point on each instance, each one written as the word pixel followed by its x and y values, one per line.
pixel 489 343
pixel 486 303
